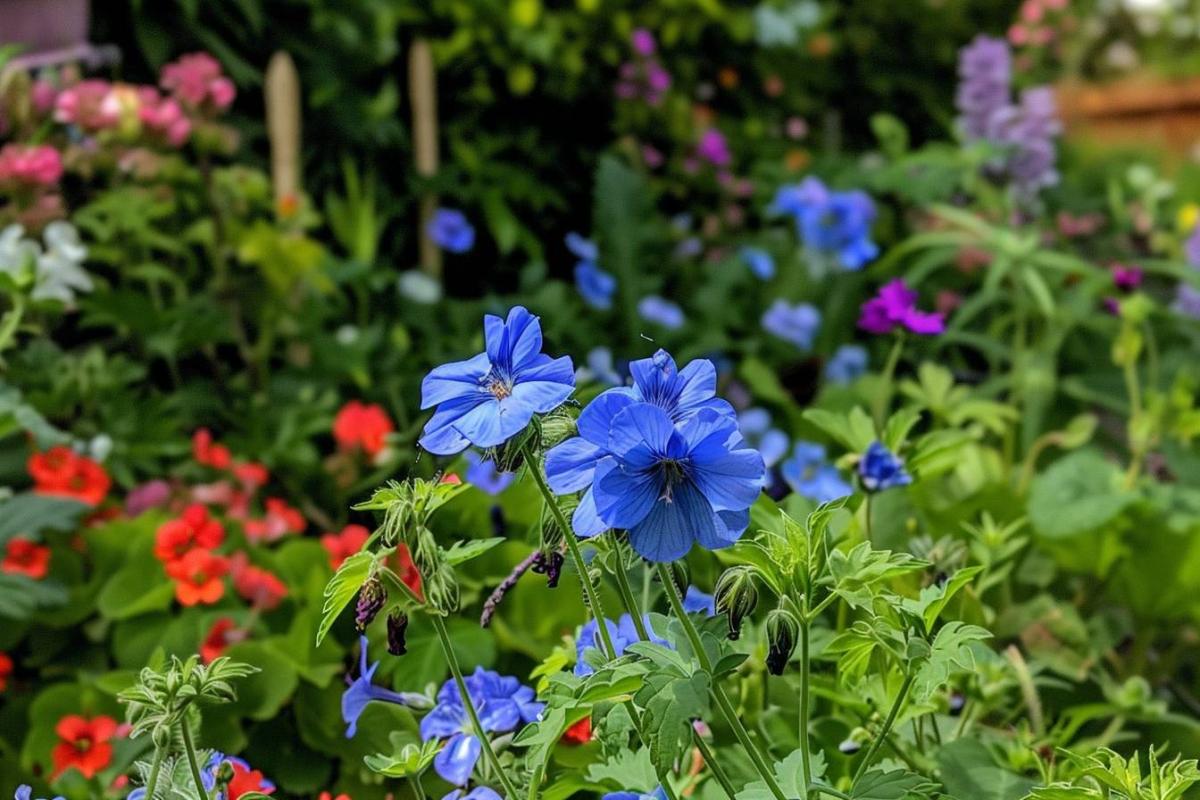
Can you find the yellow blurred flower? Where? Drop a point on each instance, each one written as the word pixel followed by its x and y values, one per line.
pixel 525 12
pixel 1188 216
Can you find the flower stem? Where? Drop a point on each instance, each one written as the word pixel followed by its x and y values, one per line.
pixel 190 749
pixel 418 789
pixel 805 764
pixel 452 661
pixel 887 727
pixel 883 397
pixel 726 708
pixel 152 782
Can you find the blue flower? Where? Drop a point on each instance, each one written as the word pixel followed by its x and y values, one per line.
pixel 25 792
pixel 478 793
pixel 623 633
pixel 772 443
pixel 673 485
pixel 482 474
pixel 361 691
pixel 834 223
pixel 450 230
pixel 595 285
pixel 759 261
pixel 600 368
pixel 811 476
pixel 570 466
pixel 582 248
pixel 880 469
pixel 503 704
pixel 657 794
pixel 661 311
pixel 488 399
pixel 848 363
pixel 697 602
pixel 796 324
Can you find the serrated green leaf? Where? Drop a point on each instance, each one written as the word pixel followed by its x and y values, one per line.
pixel 342 588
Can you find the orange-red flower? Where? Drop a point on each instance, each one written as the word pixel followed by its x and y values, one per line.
pixel 246 780
pixel 191 529
pixel 83 743
pixel 23 557
pixel 251 473
pixel 6 670
pixel 62 471
pixel 217 639
pixel 280 519
pixel 208 452
pixel 256 585
pixel 407 570
pixel 197 577
pixel 328 796
pixel 580 732
pixel 344 544
pixel 363 426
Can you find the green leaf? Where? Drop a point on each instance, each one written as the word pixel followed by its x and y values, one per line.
pixel 789 774
pixel 29 514
pixel 1079 493
pixel 462 552
pixel 896 784
pixel 139 587
pixel 933 598
pixel 859 575
pixel 670 704
pixel 951 651
pixel 410 761
pixel 968 770
pixel 342 588
pixel 20 596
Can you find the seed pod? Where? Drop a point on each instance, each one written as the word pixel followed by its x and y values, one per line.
pixel 397 627
pixel 557 426
pixel 372 597
pixel 736 596
pixel 782 630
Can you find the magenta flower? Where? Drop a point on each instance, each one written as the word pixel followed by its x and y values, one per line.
pixel 1127 278
pixel 30 165
pixel 713 148
pixel 896 307
pixel 196 80
pixel 643 42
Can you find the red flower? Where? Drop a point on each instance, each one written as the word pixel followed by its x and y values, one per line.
pixel 580 732
pixel 451 478
pixel 193 528
pixel 252 474
pixel 280 520
pixel 197 577
pixel 208 453
pixel 6 670
pixel 83 744
pixel 256 585
pixel 408 571
pixel 344 544
pixel 23 557
pixel 246 780
pixel 62 471
pixel 328 796
pixel 217 640
pixel 363 426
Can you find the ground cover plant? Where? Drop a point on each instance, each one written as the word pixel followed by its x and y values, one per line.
pixel 767 465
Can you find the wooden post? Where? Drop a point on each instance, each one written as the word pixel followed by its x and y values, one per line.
pixel 422 88
pixel 282 95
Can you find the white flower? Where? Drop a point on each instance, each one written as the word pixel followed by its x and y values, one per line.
pixel 18 255
pixel 419 287
pixel 59 270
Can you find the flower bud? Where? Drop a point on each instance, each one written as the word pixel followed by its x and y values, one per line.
pixel 397 626
pixel 372 597
pixel 782 630
pixel 736 596
pixel 549 564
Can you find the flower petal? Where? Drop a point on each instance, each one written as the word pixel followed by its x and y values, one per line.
pixel 571 465
pixel 586 520
pixel 457 759
pixel 623 497
pixel 456 379
pixel 640 428
pixel 597 419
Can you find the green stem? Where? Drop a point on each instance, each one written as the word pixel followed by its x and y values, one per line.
pixel 710 758
pixel 190 750
pixel 883 396
pixel 829 790
pixel 805 765
pixel 723 705
pixel 418 789
pixel 11 321
pixel 887 727
pixel 152 782
pixel 452 661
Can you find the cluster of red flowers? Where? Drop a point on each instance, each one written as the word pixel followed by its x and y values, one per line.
pixel 6 670
pixel 279 518
pixel 344 544
pixel 257 586
pixel 62 472
pixel 24 557
pixel 185 547
pixel 363 427
pixel 83 743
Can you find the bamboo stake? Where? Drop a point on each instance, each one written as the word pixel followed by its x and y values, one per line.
pixel 422 88
pixel 282 95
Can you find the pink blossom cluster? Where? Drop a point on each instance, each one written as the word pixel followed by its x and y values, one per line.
pixel 1035 25
pixel 643 77
pixel 36 166
pixel 196 81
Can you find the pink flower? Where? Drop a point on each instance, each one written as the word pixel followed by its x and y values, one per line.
pixel 643 42
pixel 652 157
pixel 713 148
pixel 196 81
pixel 896 307
pixel 42 95
pixel 1127 278
pixel 30 165
pixel 84 105
pixel 164 117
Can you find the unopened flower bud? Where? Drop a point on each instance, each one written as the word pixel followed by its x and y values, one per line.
pixel 782 630
pixel 397 626
pixel 957 701
pixel 549 564
pixel 371 599
pixel 736 596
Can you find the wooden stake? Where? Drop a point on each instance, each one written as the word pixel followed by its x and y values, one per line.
pixel 422 88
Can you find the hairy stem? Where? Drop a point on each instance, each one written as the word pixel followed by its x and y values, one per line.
pixel 452 661
pixel 190 749
pixel 805 763
pixel 160 753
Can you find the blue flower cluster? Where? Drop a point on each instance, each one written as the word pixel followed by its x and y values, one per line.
pixel 624 633
pixel 880 469
pixel 502 703
pixel 661 311
pixel 662 459
pixel 796 324
pixel 834 223
pixel 810 475
pixel 596 286
pixel 849 362
pixel 488 399
pixel 771 442
pixel 450 230
pixel 657 794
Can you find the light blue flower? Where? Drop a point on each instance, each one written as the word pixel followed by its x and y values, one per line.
pixel 697 602
pixel 595 286
pixel 755 425
pixel 796 324
pixel 450 230
pixel 849 362
pixel 881 469
pixel 661 311
pixel 478 793
pixel 361 692
pixel 759 261
pixel 582 248
pixel 488 399
pixel 25 792
pixel 811 476
pixel 622 634
pixel 482 474
pixel 657 794
pixel 599 368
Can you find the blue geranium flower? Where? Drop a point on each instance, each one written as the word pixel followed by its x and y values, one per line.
pixel 622 633
pixel 661 311
pixel 771 442
pixel 759 261
pixel 810 475
pixel 570 466
pixel 657 794
pixel 25 792
pixel 488 399
pixel 478 793
pixel 673 485
pixel 361 691
pixel 450 230
pixel 482 474
pixel 503 704
pixel 835 223
pixel 849 362
pixel 697 602
pixel 595 285
pixel 582 248
pixel 880 469
pixel 600 368
pixel 797 324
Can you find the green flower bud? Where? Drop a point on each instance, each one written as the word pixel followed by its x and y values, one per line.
pixel 736 596
pixel 782 631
